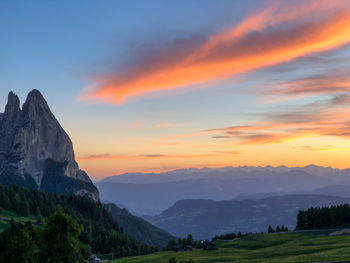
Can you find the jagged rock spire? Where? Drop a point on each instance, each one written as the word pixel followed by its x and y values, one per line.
pixel 12 107
pixel 31 139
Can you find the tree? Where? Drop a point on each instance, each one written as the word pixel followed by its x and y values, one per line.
pixel 170 245
pixel 59 240
pixel 17 245
pixel 278 229
pixel 189 240
pixel 270 230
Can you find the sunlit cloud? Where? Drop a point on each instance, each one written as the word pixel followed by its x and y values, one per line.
pixel 328 148
pixel 329 83
pixel 327 118
pixel 152 156
pixel 278 33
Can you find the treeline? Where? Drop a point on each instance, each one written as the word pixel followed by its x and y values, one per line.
pixel 229 236
pixel 99 231
pixel 278 229
pixel 324 217
pixel 57 241
pixel 189 241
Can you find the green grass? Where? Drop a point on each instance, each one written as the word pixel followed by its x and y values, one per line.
pixel 6 216
pixel 313 246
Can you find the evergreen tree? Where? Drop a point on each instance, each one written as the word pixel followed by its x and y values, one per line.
pixel 60 240
pixel 17 244
pixel 270 230
pixel 278 229
pixel 170 245
pixel 189 240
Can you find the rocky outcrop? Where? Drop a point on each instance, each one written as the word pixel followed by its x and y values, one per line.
pixel 34 149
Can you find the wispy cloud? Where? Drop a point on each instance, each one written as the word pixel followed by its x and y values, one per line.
pixel 108 156
pixel 325 118
pixel 321 148
pixel 333 82
pixel 278 33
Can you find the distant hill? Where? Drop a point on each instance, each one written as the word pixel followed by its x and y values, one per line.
pixel 138 228
pixel 331 190
pixel 206 218
pixel 153 193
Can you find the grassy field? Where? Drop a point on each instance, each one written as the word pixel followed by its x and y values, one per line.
pixel 6 216
pixel 315 246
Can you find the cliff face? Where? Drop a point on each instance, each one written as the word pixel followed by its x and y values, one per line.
pixel 36 152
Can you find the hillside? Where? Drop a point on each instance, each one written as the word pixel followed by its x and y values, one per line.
pixel 100 232
pixel 207 218
pixel 138 228
pixel 315 246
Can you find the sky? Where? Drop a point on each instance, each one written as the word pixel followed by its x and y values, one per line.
pixel 151 86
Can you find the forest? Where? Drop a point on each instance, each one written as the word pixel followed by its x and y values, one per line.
pixel 99 232
pixel 324 217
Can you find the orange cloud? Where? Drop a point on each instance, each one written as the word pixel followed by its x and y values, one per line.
pixel 152 156
pixel 255 43
pixel 323 148
pixel 324 119
pixel 336 82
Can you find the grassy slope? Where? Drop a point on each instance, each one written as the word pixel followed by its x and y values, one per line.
pixel 288 247
pixel 6 216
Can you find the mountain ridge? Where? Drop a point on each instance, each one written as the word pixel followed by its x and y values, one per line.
pixel 207 218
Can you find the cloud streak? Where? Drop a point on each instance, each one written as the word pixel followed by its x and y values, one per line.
pixel 274 35
pixel 152 156
pixel 325 118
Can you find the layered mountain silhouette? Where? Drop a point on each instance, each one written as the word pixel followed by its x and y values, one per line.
pixel 36 152
pixel 152 193
pixel 206 218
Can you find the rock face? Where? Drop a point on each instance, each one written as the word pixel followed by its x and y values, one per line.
pixel 36 152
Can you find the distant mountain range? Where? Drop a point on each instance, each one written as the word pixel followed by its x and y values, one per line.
pixel 207 218
pixel 152 193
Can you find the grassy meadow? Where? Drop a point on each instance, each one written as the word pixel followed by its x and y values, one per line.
pixel 6 216
pixel 312 246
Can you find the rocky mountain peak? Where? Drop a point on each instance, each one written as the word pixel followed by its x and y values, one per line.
pixel 34 147
pixel 12 107
pixel 35 104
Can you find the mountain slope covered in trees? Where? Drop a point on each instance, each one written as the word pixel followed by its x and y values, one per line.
pixel 138 228
pixel 100 231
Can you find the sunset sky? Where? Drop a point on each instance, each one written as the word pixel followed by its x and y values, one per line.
pixel 149 86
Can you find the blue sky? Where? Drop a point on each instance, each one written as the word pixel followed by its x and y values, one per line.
pixel 61 47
